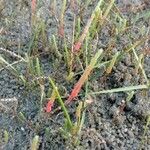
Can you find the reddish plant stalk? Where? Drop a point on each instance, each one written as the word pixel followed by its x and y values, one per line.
pixel 49 106
pixel 33 6
pixel 84 77
pixel 79 43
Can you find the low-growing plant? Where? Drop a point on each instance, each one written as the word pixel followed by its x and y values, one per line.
pixel 79 56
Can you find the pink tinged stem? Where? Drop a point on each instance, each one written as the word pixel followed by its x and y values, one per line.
pixel 33 6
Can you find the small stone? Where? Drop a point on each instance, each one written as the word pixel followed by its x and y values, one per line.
pixel 125 130
pixel 22 129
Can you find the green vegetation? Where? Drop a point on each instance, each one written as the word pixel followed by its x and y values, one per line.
pixel 79 56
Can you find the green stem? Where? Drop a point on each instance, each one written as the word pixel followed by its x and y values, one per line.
pixel 61 103
pixel 123 89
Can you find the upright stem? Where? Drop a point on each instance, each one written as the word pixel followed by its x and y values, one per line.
pixel 61 103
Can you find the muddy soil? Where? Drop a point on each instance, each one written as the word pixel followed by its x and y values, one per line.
pixel 104 128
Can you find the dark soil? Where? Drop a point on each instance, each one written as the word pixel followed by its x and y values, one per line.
pixel 110 122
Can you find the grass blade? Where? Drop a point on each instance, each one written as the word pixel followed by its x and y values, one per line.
pixel 78 44
pixel 123 89
pixel 61 103
pixel 84 77
pixel 35 143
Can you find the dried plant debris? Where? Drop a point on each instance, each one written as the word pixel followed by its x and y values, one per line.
pixel 8 105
